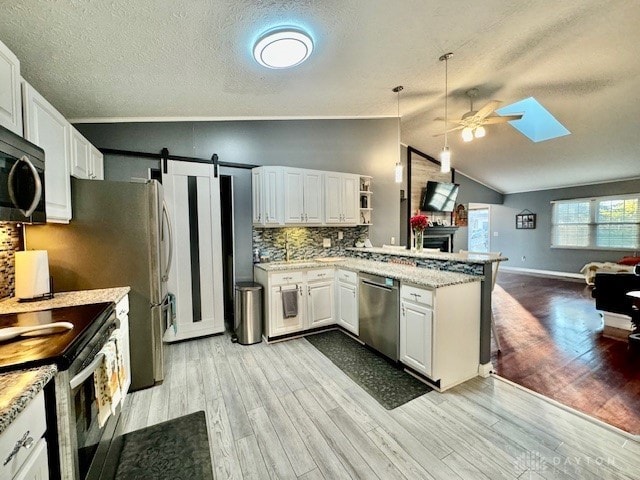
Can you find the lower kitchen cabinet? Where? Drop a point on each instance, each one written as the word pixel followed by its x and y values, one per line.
pixel 277 323
pixel 347 301
pixel 440 332
pixel 416 333
pixel 321 304
pixel 23 448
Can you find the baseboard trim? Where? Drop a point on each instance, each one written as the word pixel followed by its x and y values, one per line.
pixel 546 273
pixel 630 436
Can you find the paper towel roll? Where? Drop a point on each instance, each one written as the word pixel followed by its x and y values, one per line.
pixel 32 274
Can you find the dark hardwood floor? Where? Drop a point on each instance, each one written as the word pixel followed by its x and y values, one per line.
pixel 550 334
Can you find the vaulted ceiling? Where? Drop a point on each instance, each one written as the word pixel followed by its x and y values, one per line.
pixel 192 58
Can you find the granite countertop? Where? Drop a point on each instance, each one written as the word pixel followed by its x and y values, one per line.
pixel 406 273
pixel 65 299
pixel 480 258
pixel 19 388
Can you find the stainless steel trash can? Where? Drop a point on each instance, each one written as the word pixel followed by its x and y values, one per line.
pixel 248 313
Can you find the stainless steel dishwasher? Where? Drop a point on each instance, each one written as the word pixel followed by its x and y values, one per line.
pixel 379 313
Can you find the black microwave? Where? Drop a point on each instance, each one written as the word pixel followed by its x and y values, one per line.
pixel 22 196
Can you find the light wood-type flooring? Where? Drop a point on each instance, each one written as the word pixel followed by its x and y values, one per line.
pixel 284 411
pixel 551 342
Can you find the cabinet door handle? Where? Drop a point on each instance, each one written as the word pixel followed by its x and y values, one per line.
pixel 302 217
pixel 309 290
pixel 300 290
pixel 403 311
pixel 26 441
pixel 306 217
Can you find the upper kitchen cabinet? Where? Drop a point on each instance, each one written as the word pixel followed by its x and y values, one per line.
pixel 341 198
pixel 267 196
pixel 303 196
pixel 10 100
pixel 47 128
pixel 86 160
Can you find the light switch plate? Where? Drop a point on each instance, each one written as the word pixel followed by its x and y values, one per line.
pixel 326 242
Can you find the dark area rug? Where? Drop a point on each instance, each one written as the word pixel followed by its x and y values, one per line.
pixel 384 381
pixel 176 450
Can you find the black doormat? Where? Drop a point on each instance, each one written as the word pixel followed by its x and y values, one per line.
pixel 175 450
pixel 384 381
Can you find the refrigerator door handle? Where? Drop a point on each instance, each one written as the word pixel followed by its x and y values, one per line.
pixel 165 214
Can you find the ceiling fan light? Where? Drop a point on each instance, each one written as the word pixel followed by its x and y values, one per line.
pixel 445 160
pixel 480 132
pixel 467 134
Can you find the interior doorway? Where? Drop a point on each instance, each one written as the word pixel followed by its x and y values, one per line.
pixel 228 273
pixel 479 228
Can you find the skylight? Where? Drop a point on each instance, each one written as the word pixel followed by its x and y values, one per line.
pixel 537 124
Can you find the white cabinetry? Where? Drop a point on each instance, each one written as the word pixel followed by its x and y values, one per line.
pixel 302 196
pixel 341 198
pixel 278 283
pixel 267 196
pixel 315 292
pixel 23 449
pixel 416 329
pixel 47 128
pixel 440 332
pixel 122 314
pixel 347 300
pixel 86 160
pixel 320 292
pixel 10 100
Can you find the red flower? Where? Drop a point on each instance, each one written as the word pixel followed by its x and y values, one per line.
pixel 419 222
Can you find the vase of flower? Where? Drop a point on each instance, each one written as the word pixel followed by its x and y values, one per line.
pixel 418 224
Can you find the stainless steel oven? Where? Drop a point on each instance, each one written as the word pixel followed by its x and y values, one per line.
pixel 22 196
pixel 82 443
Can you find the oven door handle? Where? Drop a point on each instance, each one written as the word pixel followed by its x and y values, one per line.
pixel 38 193
pixel 79 379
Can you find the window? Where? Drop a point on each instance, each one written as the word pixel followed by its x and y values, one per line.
pixel 607 223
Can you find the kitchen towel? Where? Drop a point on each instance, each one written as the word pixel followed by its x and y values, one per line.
pixel 109 377
pixel 290 303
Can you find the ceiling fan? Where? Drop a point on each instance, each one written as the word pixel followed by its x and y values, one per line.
pixel 472 123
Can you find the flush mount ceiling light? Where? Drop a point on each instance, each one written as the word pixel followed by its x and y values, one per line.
pixel 283 47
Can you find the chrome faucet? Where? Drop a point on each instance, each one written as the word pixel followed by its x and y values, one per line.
pixel 286 246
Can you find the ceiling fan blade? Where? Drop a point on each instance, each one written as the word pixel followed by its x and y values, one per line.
pixel 441 119
pixel 450 130
pixel 504 119
pixel 487 109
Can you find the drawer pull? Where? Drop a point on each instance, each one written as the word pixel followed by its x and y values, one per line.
pixel 287 278
pixel 26 441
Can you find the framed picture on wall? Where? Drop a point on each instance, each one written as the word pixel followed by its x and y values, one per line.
pixel 525 220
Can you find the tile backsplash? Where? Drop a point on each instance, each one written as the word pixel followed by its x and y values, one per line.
pixel 306 242
pixel 10 242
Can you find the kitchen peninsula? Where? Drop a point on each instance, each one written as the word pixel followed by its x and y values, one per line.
pixel 426 328
pixel 479 264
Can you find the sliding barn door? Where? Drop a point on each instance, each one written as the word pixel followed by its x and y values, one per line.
pixel 192 194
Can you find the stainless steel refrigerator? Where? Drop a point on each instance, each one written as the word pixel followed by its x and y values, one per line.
pixel 119 235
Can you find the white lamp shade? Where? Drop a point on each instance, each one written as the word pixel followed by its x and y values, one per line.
pixel 480 132
pixel 398 172
pixel 32 274
pixel 467 134
pixel 445 160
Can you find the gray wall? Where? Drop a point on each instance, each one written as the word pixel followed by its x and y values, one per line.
pixel 535 245
pixel 472 192
pixel 368 147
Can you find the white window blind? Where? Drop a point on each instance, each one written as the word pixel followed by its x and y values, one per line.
pixel 598 223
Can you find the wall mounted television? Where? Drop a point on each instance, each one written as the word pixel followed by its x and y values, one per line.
pixel 439 197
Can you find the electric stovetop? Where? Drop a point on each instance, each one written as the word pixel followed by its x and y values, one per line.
pixel 59 348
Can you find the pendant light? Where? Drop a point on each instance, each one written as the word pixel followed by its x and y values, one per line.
pixel 445 154
pixel 398 169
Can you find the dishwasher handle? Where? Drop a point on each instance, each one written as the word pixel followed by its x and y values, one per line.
pixel 378 285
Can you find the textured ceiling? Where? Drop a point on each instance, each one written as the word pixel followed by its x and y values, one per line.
pixel 192 58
